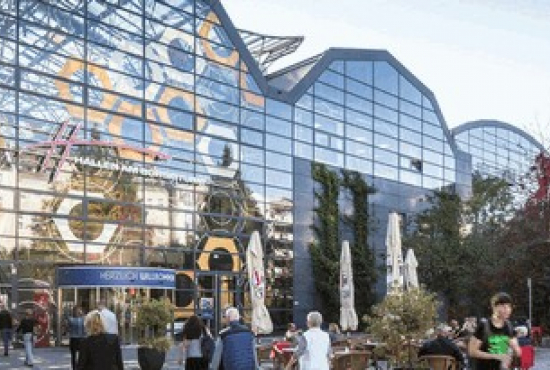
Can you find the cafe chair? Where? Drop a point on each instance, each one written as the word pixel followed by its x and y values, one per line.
pixel 439 362
pixel 356 360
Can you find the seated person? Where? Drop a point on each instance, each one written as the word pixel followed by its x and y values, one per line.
pixel 442 345
pixel 291 334
pixel 522 336
pixel 455 328
pixel 334 332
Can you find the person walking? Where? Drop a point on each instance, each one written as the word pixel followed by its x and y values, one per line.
pixel 493 343
pixel 235 348
pixel 77 332
pixel 110 322
pixel 26 327
pixel 191 351
pixel 6 327
pixel 314 349
pixel 100 350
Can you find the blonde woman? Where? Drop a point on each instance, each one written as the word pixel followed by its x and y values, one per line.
pixel 99 351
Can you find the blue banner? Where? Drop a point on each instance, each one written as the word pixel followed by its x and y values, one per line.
pixel 112 276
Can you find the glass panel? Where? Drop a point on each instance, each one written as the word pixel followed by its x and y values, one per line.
pixel 358 164
pixel 252 137
pixel 388 100
pixel 359 134
pixel 409 92
pixel 329 125
pixel 383 156
pixel 385 77
pixel 385 113
pixel 331 78
pixel 413 110
pixel 252 155
pixel 359 119
pixel 278 144
pixel 329 93
pixel 384 171
pixel 329 156
pixel 304 117
pixel 303 150
pixel 359 89
pixel 303 133
pixel 278 109
pixel 412 178
pixel 329 109
pixel 360 70
pixel 359 104
pixel 278 178
pixel 385 142
pixel 358 149
pixel 278 126
pixel 278 161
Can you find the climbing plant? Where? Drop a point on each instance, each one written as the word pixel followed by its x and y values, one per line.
pixel 363 257
pixel 325 250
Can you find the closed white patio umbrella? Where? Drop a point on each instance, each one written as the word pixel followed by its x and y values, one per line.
pixel 348 316
pixel 261 321
pixel 411 275
pixel 394 260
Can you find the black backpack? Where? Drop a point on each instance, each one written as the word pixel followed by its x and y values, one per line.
pixel 207 346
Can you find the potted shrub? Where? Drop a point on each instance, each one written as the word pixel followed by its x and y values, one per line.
pixel 400 321
pixel 152 318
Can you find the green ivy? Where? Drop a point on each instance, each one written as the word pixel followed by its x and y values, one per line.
pixel 325 250
pixel 363 257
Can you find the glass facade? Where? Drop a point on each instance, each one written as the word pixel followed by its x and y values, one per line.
pixel 498 149
pixel 142 133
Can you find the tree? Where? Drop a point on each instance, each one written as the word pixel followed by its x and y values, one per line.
pixel 437 243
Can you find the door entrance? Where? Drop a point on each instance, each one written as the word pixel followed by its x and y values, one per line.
pixel 217 291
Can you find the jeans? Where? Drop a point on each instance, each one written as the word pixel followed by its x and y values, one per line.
pixel 28 342
pixel 6 337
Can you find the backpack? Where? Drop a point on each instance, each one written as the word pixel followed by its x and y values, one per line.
pixel 207 346
pixel 486 333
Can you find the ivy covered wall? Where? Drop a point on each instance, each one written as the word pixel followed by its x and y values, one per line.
pixel 330 217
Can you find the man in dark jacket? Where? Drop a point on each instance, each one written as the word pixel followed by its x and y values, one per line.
pixel 235 347
pixel 442 345
pixel 6 327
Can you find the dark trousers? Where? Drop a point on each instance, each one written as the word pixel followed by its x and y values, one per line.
pixel 196 363
pixel 6 337
pixel 74 345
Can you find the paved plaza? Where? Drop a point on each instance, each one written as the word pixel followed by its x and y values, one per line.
pixel 60 359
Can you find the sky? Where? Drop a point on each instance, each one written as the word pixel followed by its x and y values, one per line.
pixel 483 59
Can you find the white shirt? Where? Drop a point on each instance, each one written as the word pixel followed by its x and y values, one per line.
pixel 317 350
pixel 109 321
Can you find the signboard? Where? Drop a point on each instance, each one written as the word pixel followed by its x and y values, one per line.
pixel 207 308
pixel 113 276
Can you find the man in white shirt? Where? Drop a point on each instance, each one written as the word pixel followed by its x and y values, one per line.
pixel 108 318
pixel 314 345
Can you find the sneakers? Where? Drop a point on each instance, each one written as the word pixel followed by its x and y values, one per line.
pixel 29 365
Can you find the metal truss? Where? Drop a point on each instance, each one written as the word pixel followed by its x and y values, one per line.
pixel 267 49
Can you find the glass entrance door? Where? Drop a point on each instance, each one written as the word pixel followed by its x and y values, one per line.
pixel 215 293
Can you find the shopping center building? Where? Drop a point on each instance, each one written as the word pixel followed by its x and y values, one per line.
pixel 142 141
